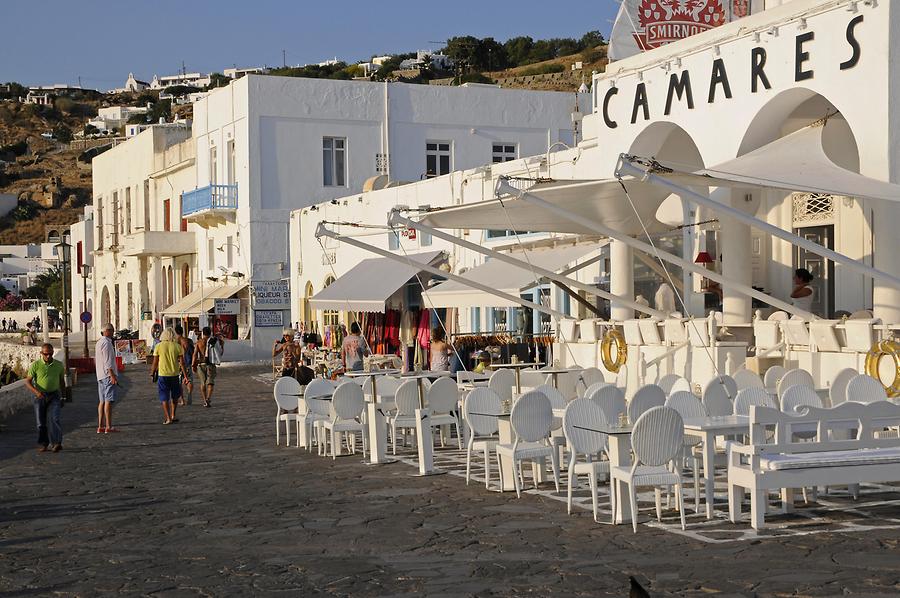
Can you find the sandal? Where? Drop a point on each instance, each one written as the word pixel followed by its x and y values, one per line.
pixel 167 422
pixel 174 420
pixel 99 430
pixel 111 430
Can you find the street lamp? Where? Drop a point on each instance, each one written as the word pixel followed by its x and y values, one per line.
pixel 85 274
pixel 64 255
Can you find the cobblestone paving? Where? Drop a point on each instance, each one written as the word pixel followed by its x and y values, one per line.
pixel 210 506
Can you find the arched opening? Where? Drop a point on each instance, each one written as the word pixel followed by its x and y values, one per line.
pixel 170 276
pixel 185 280
pixel 306 315
pixel 105 307
pixel 330 317
pixel 53 236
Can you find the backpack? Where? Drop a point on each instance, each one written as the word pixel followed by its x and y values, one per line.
pixel 213 351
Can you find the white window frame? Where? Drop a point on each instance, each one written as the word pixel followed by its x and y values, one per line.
pixel 502 151
pixel 438 149
pixel 334 161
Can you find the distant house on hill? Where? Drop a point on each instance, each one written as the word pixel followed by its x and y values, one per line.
pixel 187 79
pixel 132 84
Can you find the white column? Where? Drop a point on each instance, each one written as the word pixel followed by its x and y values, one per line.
pixel 734 247
pixel 621 278
pixel 886 242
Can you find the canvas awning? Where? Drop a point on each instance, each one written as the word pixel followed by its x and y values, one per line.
pixel 796 162
pixel 202 300
pixel 506 278
pixel 599 201
pixel 368 285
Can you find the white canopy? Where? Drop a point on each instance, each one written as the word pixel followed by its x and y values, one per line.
pixel 368 285
pixel 504 277
pixel 795 162
pixel 599 201
pixel 202 300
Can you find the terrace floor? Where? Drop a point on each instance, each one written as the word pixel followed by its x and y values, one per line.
pixel 210 506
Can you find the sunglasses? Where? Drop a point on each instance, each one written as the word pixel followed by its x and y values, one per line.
pixel 47 354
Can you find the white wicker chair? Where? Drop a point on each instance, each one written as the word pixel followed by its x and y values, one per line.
pixel 443 403
pixel 587 378
pixel 593 389
pixel 531 419
pixel 745 378
pixel 407 399
pixel 688 406
pixel 772 377
pixel 482 406
pixel 317 399
pixel 580 421
pixel 645 398
pixel 750 397
pixel 503 382
pixel 718 396
pixel 865 389
pixel 837 394
pixel 347 406
pixel 656 440
pixel 611 401
pixel 795 377
pixel 667 382
pixel 681 385
pixel 287 408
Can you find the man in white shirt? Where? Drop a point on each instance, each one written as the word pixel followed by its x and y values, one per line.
pixel 105 363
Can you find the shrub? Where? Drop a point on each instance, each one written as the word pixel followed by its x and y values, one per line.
pixel 62 133
pixel 543 69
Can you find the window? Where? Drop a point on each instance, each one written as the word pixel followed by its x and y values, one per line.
pixel 210 255
pixel 393 241
pixel 79 255
pixel 334 161
pixel 115 217
pixel 213 166
pixel 425 237
pixel 183 226
pixel 231 177
pixel 497 234
pixel 167 217
pixel 146 205
pixel 99 223
pixel 437 158
pixel 503 152
pixel 229 252
pixel 128 210
pixel 330 317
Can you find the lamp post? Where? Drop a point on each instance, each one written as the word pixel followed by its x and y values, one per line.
pixel 85 274
pixel 64 255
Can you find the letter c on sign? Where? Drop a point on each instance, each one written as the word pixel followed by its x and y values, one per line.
pixel 610 123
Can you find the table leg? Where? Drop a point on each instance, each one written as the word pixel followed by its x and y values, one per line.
pixel 620 454
pixel 518 381
pixel 709 471
pixel 377 435
pixel 505 433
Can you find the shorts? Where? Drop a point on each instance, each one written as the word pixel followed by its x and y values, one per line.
pixel 169 388
pixel 107 390
pixel 206 372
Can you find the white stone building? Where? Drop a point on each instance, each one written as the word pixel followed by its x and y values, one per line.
pixel 82 235
pixel 187 79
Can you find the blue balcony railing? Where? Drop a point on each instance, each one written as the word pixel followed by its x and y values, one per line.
pixel 212 197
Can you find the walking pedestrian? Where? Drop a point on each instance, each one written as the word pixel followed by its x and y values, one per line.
pixel 187 382
pixel 45 379
pixel 290 355
pixel 4 324
pixel 207 356
pixel 353 349
pixel 168 363
pixel 107 380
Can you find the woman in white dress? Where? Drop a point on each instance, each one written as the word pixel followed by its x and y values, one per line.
pixel 802 295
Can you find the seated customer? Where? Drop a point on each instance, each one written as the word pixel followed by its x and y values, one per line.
pixel 484 360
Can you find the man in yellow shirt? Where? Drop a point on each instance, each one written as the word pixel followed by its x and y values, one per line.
pixel 168 361
pixel 45 379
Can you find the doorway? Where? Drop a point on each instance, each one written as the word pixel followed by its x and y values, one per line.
pixel 821 268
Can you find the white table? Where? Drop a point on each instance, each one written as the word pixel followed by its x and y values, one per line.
pixel 619 455
pixel 375 418
pixel 517 368
pixel 707 429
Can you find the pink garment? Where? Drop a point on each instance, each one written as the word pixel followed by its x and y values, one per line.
pixel 424 333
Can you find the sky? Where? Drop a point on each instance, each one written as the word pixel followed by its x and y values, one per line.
pixel 101 41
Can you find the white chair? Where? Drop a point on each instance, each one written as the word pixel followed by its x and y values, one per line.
pixel 745 378
pixel 594 388
pixel 718 396
pixel 798 396
pixel 645 398
pixel 503 382
pixel 689 406
pixel 749 397
pixel 407 400
pixel 557 403
pixel 482 406
pixel 611 401
pixel 795 377
pixel 667 382
pixel 530 419
pixel 865 389
pixel 772 377
pixel 656 440
pixel 387 387
pixel 347 406
pixel 287 408
pixel 317 402
pixel 443 402
pixel 530 378
pixel 580 421
pixel 838 391
pixel 588 377
pixel 681 385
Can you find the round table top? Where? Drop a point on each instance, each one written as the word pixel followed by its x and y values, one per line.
pixel 519 365
pixel 359 374
pixel 423 374
pixel 559 370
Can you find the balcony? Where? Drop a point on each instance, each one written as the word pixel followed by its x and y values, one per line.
pixel 157 243
pixel 211 205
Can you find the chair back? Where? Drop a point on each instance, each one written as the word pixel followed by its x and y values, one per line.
pixel 773 376
pixel 745 378
pixel 611 401
pixel 386 386
pixel 443 396
pixel 797 396
pixel 529 378
pixel 657 436
pixel 502 382
pixel 580 422
pixel 531 417
pixel 319 387
pixel 348 401
pixel 587 378
pixel 467 376
pixel 407 398
pixel 865 389
pixel 681 385
pixel 686 404
pixel 718 396
pixel 752 397
pixel 795 377
pixel 556 398
pixel 481 409
pixel 838 391
pixel 593 389
pixel 287 393
pixel 645 398
pixel 666 382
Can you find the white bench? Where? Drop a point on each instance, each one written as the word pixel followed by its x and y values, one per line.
pixel 768 462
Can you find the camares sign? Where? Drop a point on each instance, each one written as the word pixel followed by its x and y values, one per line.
pixel 271 294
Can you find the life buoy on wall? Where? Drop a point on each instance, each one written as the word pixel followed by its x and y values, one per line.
pixel 888 348
pixel 613 337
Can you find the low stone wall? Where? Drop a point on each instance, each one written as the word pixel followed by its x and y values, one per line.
pixel 15 396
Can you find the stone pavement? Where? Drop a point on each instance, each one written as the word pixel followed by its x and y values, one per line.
pixel 210 506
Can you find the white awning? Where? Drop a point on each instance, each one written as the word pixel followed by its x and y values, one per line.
pixel 368 285
pixel 202 300
pixel 598 201
pixel 506 278
pixel 795 162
